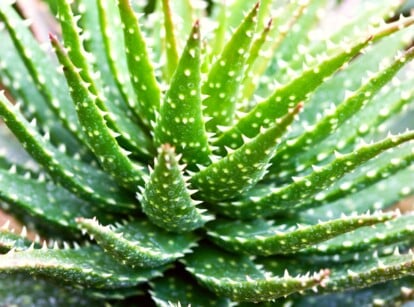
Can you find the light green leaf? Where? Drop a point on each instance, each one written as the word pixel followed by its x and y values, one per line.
pixel 139 243
pixel 261 237
pixel 80 178
pixel 101 139
pixel 180 121
pixel 238 278
pixel 224 77
pixel 86 267
pixel 140 68
pixel 166 200
pixel 241 169
pixel 270 200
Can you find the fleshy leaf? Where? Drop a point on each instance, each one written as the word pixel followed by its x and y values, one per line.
pixel 391 293
pixel 242 169
pixel 44 75
pixel 119 116
pixel 180 122
pixel 400 160
pixel 166 199
pixel 224 77
pixel 239 279
pixel 86 267
pixel 398 230
pixel 269 200
pixel 9 239
pixel 34 105
pixel 277 104
pixel 116 117
pixel 344 111
pixel 370 272
pixel 282 99
pixel 176 289
pixel 140 68
pixel 171 43
pixel 373 59
pixel 100 137
pixel 281 67
pixel 260 237
pixel 374 116
pixel 354 274
pixel 269 41
pixel 19 290
pixel 139 243
pixel 80 178
pixel 113 40
pixel 49 203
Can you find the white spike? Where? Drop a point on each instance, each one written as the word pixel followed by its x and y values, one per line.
pixel 246 139
pixel 6 225
pixel 24 232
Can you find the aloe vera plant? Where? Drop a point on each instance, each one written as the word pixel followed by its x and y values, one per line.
pixel 206 154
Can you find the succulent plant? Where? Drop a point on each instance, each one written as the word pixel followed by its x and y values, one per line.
pixel 214 152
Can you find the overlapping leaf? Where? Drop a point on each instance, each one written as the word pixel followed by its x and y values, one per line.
pixel 88 267
pixel 265 201
pixel 139 243
pixel 238 278
pixel 78 177
pixel 166 200
pixel 261 237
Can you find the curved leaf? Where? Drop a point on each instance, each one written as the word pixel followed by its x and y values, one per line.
pixel 238 278
pixel 260 237
pixel 138 243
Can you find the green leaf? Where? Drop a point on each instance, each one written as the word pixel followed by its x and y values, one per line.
pixel 218 40
pixel 391 232
pixel 352 275
pixel 383 195
pixel 239 279
pixel 277 104
pixel 271 38
pixel 270 200
pixel 401 159
pixel 335 118
pixel 180 121
pixel 47 202
pixel 281 68
pixel 24 91
pixel 261 237
pixel 140 67
pixel 86 267
pixel 176 289
pixel 45 76
pixel 281 100
pixel 80 178
pixel 139 243
pixel 19 290
pixel 349 78
pixel 374 117
pixel 166 200
pixel 116 115
pixel 9 239
pixel 113 42
pixel 370 272
pixel 225 75
pixel 100 137
pixel 368 14
pixel 241 169
pixel 391 293
pixel 171 43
